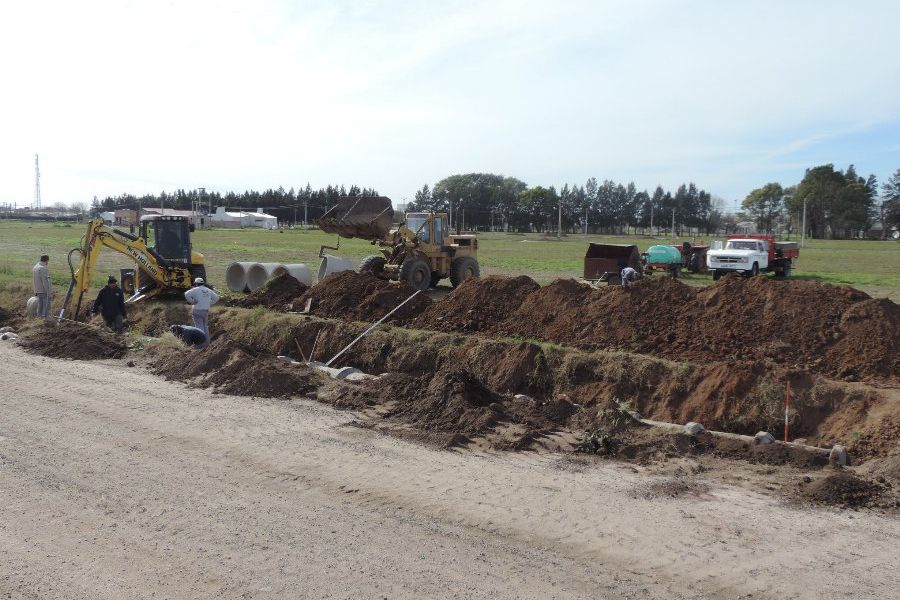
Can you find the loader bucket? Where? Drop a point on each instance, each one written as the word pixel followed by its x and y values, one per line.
pixel 366 217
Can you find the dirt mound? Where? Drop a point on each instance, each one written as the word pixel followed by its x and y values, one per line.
pixel 478 304
pixel 868 340
pixel 278 293
pixel 843 489
pixel 231 369
pixel 362 297
pixel 801 324
pixel 67 339
pixel 154 316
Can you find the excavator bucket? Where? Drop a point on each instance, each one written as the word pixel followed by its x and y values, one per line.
pixel 366 217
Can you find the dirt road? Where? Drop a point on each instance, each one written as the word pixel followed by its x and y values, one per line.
pixel 117 484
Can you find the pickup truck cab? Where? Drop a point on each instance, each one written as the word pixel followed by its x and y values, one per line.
pixel 751 255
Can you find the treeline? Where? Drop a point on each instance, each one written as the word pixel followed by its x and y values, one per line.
pixel 485 201
pixel 288 205
pixel 838 204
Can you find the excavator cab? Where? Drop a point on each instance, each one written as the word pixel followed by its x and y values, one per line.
pixel 168 236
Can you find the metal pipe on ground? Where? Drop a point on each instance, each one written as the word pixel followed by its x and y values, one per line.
pixel 236 276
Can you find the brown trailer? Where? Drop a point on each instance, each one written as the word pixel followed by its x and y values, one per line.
pixel 605 261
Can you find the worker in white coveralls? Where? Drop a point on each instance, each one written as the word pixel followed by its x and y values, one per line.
pixel 42 288
pixel 201 297
pixel 629 276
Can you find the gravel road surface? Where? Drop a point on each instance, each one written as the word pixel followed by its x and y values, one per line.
pixel 117 484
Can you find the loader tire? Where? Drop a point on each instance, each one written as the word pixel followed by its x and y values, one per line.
pixel 372 264
pixel 416 272
pixel 464 267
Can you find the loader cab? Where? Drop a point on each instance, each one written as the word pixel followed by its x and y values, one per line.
pixel 430 228
pixel 168 236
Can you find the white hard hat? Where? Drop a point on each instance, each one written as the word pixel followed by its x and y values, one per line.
pixel 199 281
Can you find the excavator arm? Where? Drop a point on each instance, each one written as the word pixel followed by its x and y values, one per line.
pixel 162 274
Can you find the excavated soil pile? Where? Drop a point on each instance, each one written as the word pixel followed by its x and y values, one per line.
pixel 67 339
pixel 277 294
pixel 478 304
pixel 804 324
pixel 362 297
pixel 7 318
pixel 450 409
pixel 231 369
pixel 154 317
pixel 844 489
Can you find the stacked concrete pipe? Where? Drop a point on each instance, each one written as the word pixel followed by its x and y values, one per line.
pixel 236 276
pixel 259 273
pixel 299 272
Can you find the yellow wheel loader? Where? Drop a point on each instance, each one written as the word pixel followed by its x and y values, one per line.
pixel 420 251
pixel 165 262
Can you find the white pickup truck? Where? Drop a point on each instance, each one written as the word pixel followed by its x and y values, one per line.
pixel 751 255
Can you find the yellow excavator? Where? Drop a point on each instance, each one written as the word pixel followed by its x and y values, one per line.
pixel 161 251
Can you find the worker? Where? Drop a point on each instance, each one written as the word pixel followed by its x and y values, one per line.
pixel 192 336
pixel 42 288
pixel 629 276
pixel 110 303
pixel 201 297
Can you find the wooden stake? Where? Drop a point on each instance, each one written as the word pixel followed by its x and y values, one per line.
pixel 787 404
pixel 303 356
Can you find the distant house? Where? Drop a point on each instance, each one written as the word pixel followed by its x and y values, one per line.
pixel 237 219
pixel 108 217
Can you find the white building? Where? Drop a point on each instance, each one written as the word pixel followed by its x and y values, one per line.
pixel 236 219
pixel 108 217
pixel 198 220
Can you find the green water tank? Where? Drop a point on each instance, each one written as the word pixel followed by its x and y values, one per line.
pixel 663 255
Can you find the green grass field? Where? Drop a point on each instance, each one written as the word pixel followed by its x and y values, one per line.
pixel 872 266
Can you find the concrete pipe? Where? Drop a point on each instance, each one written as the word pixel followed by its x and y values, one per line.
pixel 299 272
pixel 259 273
pixel 334 264
pixel 236 276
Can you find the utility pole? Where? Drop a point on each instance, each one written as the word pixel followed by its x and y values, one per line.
pixel 37 183
pixel 559 222
pixel 651 219
pixel 803 233
pixel 585 219
pixel 673 223
pixel 304 213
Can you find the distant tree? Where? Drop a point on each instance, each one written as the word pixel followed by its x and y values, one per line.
pixel 837 204
pixel 764 205
pixel 890 206
pixel 539 204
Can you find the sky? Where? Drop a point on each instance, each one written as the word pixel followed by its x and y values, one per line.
pixel 145 96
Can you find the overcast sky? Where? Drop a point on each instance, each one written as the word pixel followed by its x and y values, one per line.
pixel 141 97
